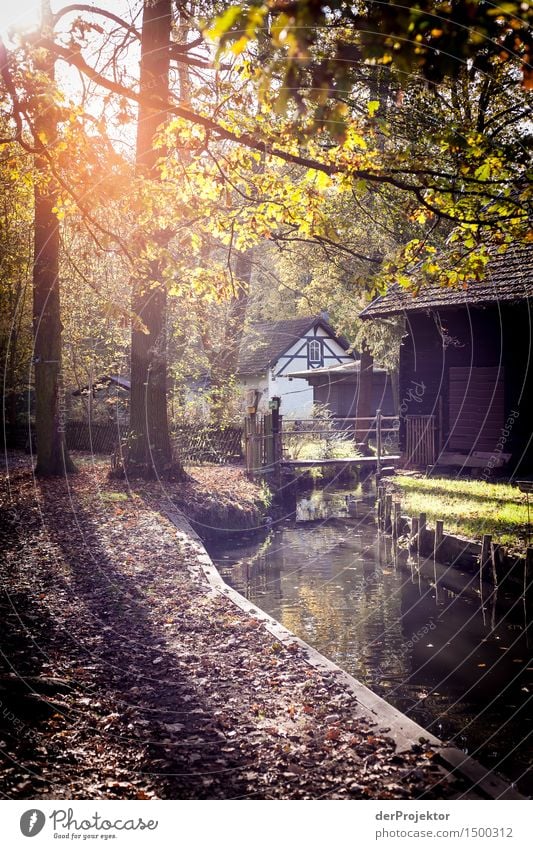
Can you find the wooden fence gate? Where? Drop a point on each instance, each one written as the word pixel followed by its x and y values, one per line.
pixel 262 443
pixel 420 441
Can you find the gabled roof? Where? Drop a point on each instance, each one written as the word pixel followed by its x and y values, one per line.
pixel 103 381
pixel 266 341
pixel 509 277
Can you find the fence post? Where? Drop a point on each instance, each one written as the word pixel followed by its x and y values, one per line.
pixel 252 444
pixel 378 442
pixel 268 442
pixel 276 438
pixel 258 442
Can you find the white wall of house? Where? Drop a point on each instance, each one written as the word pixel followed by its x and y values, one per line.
pixel 254 381
pixel 296 394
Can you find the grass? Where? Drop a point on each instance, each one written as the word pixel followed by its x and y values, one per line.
pixel 299 448
pixel 115 496
pixel 469 508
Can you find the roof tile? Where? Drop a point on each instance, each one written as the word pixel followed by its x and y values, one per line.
pixel 509 278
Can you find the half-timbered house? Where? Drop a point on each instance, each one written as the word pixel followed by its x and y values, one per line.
pixel 273 351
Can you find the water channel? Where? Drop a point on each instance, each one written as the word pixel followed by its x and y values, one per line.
pixel 415 632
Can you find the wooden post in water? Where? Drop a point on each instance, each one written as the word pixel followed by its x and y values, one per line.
pixel 378 443
pixel 380 507
pixel 413 541
pixel 396 520
pixel 439 533
pixel 388 511
pixel 422 519
pixel 495 551
pixel 485 557
pixel 528 569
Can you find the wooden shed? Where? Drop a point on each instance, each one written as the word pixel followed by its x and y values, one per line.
pixel 337 388
pixel 466 369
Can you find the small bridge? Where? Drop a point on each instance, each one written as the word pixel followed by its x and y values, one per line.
pixel 388 459
pixel 273 446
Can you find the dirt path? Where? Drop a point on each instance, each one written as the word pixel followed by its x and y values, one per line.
pixel 124 676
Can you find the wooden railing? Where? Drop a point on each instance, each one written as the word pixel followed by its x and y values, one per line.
pixel 193 444
pixel 265 446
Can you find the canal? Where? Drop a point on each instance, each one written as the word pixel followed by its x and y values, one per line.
pixel 415 632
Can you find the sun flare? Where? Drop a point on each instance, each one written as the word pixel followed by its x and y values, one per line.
pixel 21 15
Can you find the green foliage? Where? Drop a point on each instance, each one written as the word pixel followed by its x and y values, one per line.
pixel 328 442
pixel 16 229
pixel 434 38
pixel 352 78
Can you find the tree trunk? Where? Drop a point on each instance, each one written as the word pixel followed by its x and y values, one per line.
pixel 52 455
pixel 150 451
pixel 223 364
pixel 364 398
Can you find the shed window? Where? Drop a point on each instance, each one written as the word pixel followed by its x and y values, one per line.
pixel 314 351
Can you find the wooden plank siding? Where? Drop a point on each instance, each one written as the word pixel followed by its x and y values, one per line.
pixel 479 362
pixel 420 441
pixel 341 395
pixel 476 408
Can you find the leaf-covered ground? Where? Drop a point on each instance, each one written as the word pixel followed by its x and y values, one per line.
pixel 123 676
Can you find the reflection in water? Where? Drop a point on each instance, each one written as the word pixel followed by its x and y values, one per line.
pixel 415 632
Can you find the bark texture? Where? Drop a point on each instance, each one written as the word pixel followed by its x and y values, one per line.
pixel 150 451
pixel 52 455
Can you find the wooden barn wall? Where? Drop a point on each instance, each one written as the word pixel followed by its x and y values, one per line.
pixel 341 395
pixel 382 394
pixel 475 338
pixel 517 333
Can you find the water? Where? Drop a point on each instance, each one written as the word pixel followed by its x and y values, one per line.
pixel 459 667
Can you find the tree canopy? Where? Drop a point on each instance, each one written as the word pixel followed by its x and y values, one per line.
pixel 371 138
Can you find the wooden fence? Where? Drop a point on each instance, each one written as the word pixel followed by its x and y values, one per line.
pixel 262 441
pixel 208 444
pixel 100 438
pixel 191 443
